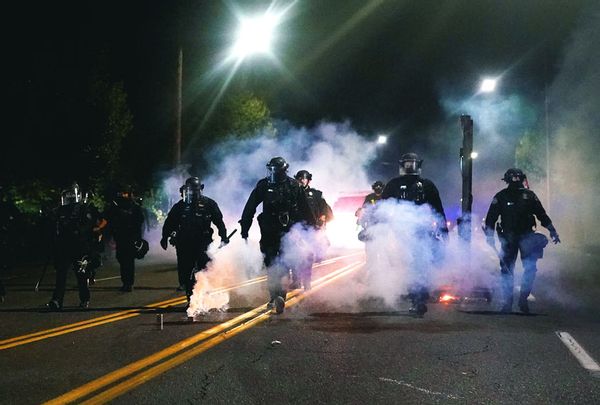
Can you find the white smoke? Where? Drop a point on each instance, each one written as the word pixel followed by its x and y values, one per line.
pixel 336 156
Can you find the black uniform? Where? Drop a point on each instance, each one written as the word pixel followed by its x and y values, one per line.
pixel 284 205
pixel 371 199
pixel 516 207
pixel 420 191
pixel 125 218
pixel 319 214
pixel 193 233
pixel 75 239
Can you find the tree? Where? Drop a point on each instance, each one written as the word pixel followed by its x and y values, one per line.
pixel 530 155
pixel 241 114
pixel 111 122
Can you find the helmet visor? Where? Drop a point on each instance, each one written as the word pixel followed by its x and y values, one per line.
pixel 410 167
pixel 190 194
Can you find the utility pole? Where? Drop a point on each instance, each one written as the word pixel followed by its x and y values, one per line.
pixel 178 109
pixel 466 168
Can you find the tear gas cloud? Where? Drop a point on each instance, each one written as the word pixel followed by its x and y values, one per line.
pixel 336 156
pixel 338 159
pixel 574 109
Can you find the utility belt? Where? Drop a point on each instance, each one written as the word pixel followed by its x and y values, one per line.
pixel 281 218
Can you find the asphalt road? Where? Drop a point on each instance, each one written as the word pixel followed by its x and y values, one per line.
pixel 316 352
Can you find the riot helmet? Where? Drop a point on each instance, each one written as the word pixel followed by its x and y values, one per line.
pixel 276 169
pixel 124 192
pixel 191 190
pixel 304 177
pixel 378 187
pixel 514 176
pixel 410 164
pixel 70 195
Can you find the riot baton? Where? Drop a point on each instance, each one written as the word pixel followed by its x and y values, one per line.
pixel 228 237
pixel 37 285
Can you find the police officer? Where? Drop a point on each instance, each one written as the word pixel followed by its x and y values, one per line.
pixel 284 205
pixel 320 214
pixel 517 207
pixel 188 228
pixel 78 227
pixel 370 200
pixel 410 186
pixel 375 196
pixel 125 220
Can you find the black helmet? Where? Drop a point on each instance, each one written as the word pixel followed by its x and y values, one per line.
pixel 191 190
pixel 141 248
pixel 278 163
pixel 410 164
pixel 277 168
pixel 378 186
pixel 124 191
pixel 513 173
pixel 303 174
pixel 71 195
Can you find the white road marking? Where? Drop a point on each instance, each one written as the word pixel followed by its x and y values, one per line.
pixel 405 384
pixel 580 354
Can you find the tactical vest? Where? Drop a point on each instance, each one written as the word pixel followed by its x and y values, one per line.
pixel 195 221
pixel 74 221
pixel 412 192
pixel 279 198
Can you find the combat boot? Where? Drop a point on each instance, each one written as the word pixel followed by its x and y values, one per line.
pixel 524 305
pixel 418 310
pixel 279 304
pixel 54 305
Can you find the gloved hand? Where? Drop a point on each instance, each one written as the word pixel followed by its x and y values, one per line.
pixel 244 229
pixel 554 236
pixel 224 241
pixel 163 243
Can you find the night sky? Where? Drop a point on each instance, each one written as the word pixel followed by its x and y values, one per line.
pixel 384 66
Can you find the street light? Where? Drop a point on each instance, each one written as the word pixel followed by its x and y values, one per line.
pixel 488 85
pixel 382 139
pixel 254 36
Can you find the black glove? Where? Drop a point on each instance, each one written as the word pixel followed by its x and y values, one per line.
pixel 163 243
pixel 224 241
pixel 244 229
pixel 554 236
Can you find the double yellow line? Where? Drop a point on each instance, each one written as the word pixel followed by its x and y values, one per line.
pixel 130 313
pixel 174 355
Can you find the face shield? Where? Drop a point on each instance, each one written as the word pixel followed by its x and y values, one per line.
pixel 190 194
pixel 275 174
pixel 71 196
pixel 410 167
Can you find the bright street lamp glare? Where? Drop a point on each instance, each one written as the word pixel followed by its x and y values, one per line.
pixel 382 139
pixel 488 85
pixel 474 155
pixel 255 36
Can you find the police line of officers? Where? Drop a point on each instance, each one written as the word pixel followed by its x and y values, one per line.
pixel 285 202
